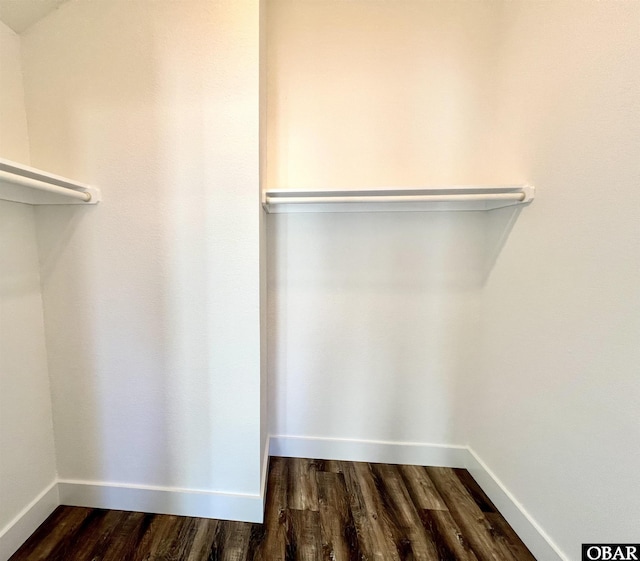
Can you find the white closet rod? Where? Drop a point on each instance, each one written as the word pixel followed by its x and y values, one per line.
pixel 44 186
pixel 398 199
pixel 280 199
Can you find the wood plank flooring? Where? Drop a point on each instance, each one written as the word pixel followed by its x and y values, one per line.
pixel 315 511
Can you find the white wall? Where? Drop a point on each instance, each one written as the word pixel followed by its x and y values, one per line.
pixel 366 93
pixel 555 407
pixel 376 326
pixel 152 297
pixel 373 317
pixel 377 323
pixel 27 460
pixel 14 138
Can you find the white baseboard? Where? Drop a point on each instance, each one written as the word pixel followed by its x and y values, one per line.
pixel 14 534
pixel 162 500
pixel 168 500
pixel 530 532
pixel 140 498
pixel 520 520
pixel 412 453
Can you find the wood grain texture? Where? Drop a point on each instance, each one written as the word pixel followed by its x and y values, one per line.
pixel 203 539
pixel 465 511
pixel 46 537
pixel 315 511
pixel 410 537
pixel 508 538
pixel 474 490
pixel 373 524
pixel 443 530
pixel 303 541
pixel 274 544
pixel 302 491
pixel 66 534
pixel 96 544
pixel 132 538
pixel 422 490
pixel 338 530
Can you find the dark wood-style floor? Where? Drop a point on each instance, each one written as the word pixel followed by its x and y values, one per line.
pixel 316 511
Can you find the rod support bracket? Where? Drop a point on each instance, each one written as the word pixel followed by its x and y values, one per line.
pixel 529 193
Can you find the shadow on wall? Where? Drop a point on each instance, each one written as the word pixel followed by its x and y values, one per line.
pixel 374 321
pixel 500 223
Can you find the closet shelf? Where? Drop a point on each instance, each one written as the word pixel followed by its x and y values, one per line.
pixel 24 184
pixel 456 198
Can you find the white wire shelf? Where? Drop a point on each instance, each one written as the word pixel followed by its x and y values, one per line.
pixel 24 184
pixel 453 198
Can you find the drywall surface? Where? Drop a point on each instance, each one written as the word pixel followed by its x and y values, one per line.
pixel 555 407
pixel 20 15
pixel 14 139
pixel 152 297
pixel 367 93
pixel 373 317
pixel 27 459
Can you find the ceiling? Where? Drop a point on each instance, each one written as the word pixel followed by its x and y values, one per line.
pixel 20 14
